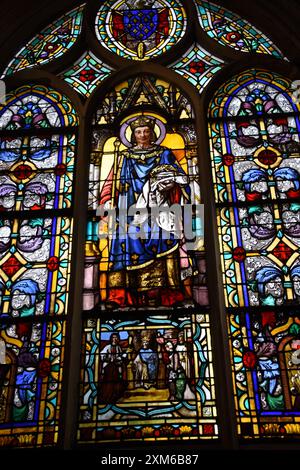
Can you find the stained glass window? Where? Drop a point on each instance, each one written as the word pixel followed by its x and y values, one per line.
pixel 121 172
pixel 231 30
pixel 50 43
pixel 149 380
pixel 254 139
pixel 37 157
pixel 31 383
pixel 34 261
pixel 142 275
pixel 198 66
pixel 87 73
pixel 133 320
pixel 140 30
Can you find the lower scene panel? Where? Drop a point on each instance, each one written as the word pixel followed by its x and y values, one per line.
pixel 147 380
pixel 265 351
pixel 31 368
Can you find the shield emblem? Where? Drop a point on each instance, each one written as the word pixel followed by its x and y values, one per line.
pixel 140 24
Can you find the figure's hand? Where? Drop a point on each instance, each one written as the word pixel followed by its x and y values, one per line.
pixel 166 185
pixel 163 184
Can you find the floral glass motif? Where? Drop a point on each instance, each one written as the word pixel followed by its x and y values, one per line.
pixel 231 30
pixel 198 66
pixel 142 29
pixel 34 266
pixel 36 170
pixel 37 158
pixel 254 139
pixel 86 74
pixel 50 44
pixel 36 107
pixel 149 380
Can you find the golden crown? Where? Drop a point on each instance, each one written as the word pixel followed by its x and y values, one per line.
pixel 142 122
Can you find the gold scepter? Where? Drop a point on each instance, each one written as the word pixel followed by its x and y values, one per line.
pixel 117 144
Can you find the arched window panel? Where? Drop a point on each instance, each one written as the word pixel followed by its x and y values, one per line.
pixel 51 43
pixel 123 175
pixel 146 335
pixel 38 147
pixel 255 154
pixel 140 30
pixel 254 139
pixel 37 154
pixel 230 30
pixel 37 163
pixel 35 266
pixel 31 369
pixel 237 99
pixel 198 66
pixel 87 73
pixel 147 381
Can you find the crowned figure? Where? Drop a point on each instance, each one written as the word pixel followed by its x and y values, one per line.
pixel 154 269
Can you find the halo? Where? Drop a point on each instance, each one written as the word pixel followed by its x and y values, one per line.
pixel 126 132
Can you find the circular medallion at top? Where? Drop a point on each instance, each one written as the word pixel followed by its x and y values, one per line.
pixel 140 30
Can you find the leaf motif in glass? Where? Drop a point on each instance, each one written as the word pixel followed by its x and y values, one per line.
pixel 51 43
pixel 35 266
pixel 86 74
pixel 36 106
pixel 198 66
pixel 230 30
pixel 36 172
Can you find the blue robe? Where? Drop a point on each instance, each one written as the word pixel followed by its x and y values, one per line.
pixel 149 357
pixel 136 166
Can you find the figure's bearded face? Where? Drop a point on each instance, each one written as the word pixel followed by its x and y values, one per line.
pixel 143 136
pixel 114 340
